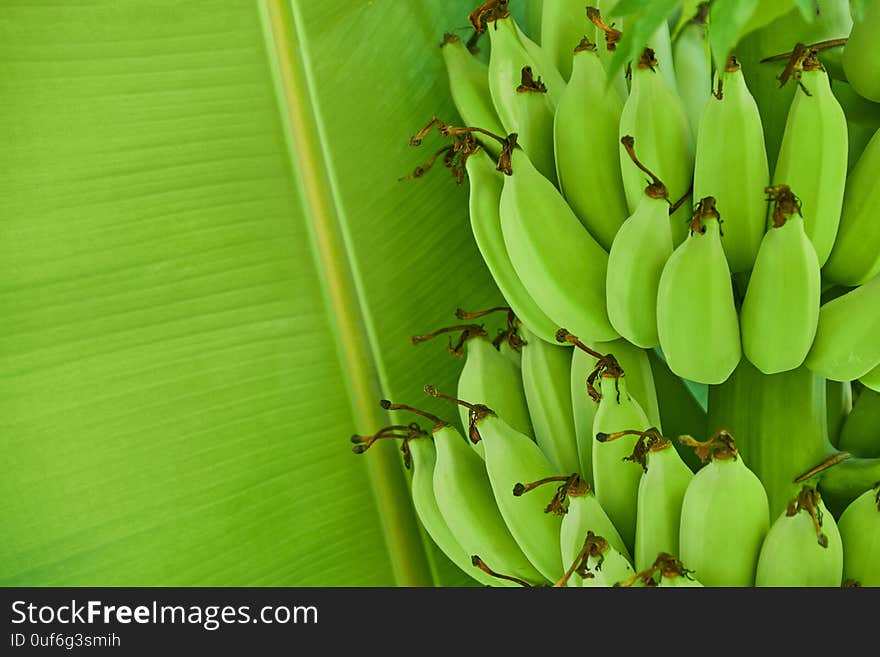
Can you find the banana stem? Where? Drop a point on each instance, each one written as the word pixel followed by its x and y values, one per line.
pixel 468 332
pixel 476 412
pixel 438 423
pixel 781 427
pixel 571 485
pixel 612 35
pixel 479 563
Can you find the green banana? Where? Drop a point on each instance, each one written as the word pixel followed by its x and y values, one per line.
pixel 512 457
pixel 861 54
pixel 469 87
pixel 485 216
pixel 597 564
pixel 653 114
pixel 765 66
pixel 511 51
pixel 780 311
pixel 871 379
pixel 606 37
pixel 585 145
pixel 545 376
pixel 617 481
pixel 534 125
pixel 697 320
pixel 662 486
pixel 660 42
pixel 466 499
pixel 855 257
pixel 546 66
pixel 640 383
pixel 693 67
pixel 488 375
pixel 557 260
pixel 846 345
pixel 860 433
pixel 724 516
pixel 420 455
pixel 563 25
pixel 813 155
pixel 581 512
pixel 803 546
pixel 859 527
pixel 638 254
pixel 731 165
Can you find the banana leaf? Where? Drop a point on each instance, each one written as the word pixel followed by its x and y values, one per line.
pixel 209 276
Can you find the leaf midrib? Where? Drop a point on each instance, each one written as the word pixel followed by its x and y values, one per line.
pixel 345 307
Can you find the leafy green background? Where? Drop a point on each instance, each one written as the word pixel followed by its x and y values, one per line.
pixel 209 277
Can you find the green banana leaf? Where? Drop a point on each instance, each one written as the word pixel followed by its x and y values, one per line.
pixel 209 276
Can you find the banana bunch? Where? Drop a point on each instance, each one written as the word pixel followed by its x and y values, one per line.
pixel 668 274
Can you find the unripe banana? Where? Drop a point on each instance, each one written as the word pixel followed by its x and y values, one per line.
pixel 859 527
pixel 861 55
pixel 546 66
pixel 558 262
pixel 581 512
pixel 813 156
pixel 545 375
pixel 487 374
pixel 846 345
pixel 424 458
pixel 512 457
pixel 780 310
pixel 855 257
pixel 469 86
pixel 585 143
pixel 697 320
pixel 636 260
pixel 803 546
pixel 731 165
pixel 640 383
pixel 860 433
pixel 665 478
pixel 660 42
pixel 534 125
pixel 420 454
pixel 724 516
pixel 563 25
pixel 511 51
pixel 764 69
pixel 616 480
pixel 485 215
pixel 693 67
pixel 606 36
pixel 653 114
pixel 597 564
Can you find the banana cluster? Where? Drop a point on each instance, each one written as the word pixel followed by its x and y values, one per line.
pixel 640 211
pixel 622 507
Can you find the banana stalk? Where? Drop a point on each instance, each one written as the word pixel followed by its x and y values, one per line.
pixel 780 424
